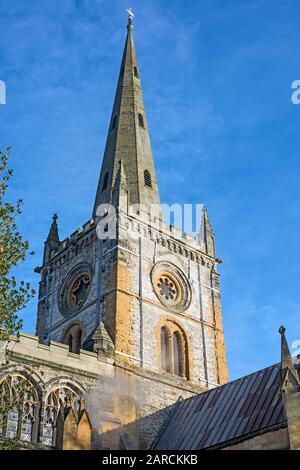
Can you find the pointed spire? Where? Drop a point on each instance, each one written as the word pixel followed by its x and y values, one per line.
pixel 53 232
pixel 52 242
pixel 128 138
pixel 103 344
pixel 206 235
pixel 290 377
pixel 286 358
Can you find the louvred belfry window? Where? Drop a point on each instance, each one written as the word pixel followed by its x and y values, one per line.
pixel 141 120
pixel 147 179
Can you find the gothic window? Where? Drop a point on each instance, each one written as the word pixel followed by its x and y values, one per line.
pixel 147 179
pixel 135 71
pixel 177 354
pixel 18 402
pixel 79 337
pixel 105 181
pixel 165 352
pixel 70 343
pixel 61 397
pixel 73 337
pixel 27 426
pixel 174 351
pixel 141 121
pixel 12 423
pixel 48 433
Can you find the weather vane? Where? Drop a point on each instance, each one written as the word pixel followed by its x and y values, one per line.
pixel 130 13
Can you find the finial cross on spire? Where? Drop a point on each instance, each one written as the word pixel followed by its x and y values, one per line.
pixel 281 330
pixel 130 14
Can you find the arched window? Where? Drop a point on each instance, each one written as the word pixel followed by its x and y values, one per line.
pixel 141 121
pixel 79 336
pixel 60 397
pixel 135 72
pixel 147 179
pixel 165 350
pixel 177 354
pixel 12 423
pixel 70 343
pixel 73 337
pixel 105 181
pixel 174 351
pixel 18 404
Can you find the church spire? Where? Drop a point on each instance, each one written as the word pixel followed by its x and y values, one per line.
pixel 128 138
pixel 206 235
pixel 288 369
pixel 52 241
pixel 53 232
pixel 286 358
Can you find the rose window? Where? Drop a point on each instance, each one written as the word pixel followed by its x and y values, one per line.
pixel 75 289
pixel 171 286
pixel 79 290
pixel 167 288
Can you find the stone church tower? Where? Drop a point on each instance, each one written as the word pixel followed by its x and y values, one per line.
pixel 149 281
pixel 130 296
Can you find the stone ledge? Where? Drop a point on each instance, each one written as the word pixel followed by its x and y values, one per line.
pixel 57 354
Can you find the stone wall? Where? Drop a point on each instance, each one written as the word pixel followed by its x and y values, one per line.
pixel 137 252
pixel 122 402
pixel 82 248
pixel 123 295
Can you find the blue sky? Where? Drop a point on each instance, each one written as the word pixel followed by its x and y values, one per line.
pixel 216 77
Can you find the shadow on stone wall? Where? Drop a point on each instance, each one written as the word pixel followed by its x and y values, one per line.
pixel 139 434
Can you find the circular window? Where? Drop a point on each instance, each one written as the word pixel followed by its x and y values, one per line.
pixel 75 289
pixel 78 290
pixel 171 286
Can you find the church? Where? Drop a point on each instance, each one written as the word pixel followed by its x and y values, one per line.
pixel 129 348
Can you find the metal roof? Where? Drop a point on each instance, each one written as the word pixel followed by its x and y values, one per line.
pixel 232 411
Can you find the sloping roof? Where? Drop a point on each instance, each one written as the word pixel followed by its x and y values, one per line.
pixel 243 407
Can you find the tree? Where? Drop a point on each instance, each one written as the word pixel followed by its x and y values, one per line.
pixel 13 295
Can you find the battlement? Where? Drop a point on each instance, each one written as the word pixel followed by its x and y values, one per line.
pixel 57 354
pixel 139 221
pixel 158 225
pixel 168 235
pixel 78 233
